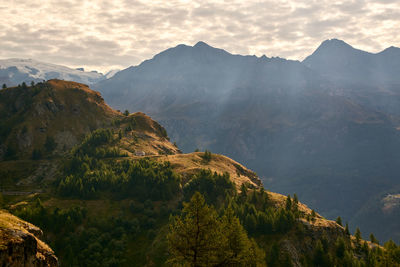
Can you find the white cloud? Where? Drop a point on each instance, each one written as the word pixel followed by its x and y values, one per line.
pixel 116 34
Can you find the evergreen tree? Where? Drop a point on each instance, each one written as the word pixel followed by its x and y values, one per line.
pixel 199 238
pixel 295 199
pixel 313 215
pixel 243 191
pixel 373 239
pixel 340 247
pixel 207 156
pixel 339 221
pixel 239 250
pixel 126 112
pixel 288 204
pixel 319 258
pixel 195 237
pixel 4 86
pixel 358 235
pixel 346 229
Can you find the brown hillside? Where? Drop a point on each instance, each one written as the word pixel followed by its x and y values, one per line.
pixel 141 134
pixel 64 111
pixel 188 164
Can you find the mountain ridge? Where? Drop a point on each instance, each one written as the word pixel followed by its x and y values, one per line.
pixel 14 71
pixel 300 129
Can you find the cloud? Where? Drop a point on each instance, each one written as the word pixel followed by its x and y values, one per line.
pixel 115 34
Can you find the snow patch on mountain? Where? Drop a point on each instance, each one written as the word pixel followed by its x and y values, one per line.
pixel 14 71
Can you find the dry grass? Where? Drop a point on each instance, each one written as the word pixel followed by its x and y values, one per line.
pixel 188 164
pixel 11 228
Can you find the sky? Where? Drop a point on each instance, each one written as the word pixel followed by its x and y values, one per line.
pixel 114 34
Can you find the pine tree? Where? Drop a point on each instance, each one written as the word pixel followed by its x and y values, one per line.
pixel 288 204
pixel 313 215
pixel 339 221
pixel 207 156
pixel 243 191
pixel 199 238
pixel 358 235
pixel 4 86
pixel 346 229
pixel 194 237
pixel 295 199
pixel 239 250
pixel 340 247
pixel 373 239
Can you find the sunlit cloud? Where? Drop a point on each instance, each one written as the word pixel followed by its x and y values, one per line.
pixel 115 34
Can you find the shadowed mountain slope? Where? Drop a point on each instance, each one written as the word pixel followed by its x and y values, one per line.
pixel 284 119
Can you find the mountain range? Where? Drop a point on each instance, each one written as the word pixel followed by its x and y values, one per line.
pixel 324 128
pixel 15 71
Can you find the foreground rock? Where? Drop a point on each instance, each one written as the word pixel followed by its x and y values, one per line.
pixel 20 244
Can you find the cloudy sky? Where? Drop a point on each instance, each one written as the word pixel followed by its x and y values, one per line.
pixel 108 34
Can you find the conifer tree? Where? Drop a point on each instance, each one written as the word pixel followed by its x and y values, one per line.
pixel 295 199
pixel 199 238
pixel 194 237
pixel 373 239
pixel 358 235
pixel 346 229
pixel 239 250
pixel 288 204
pixel 339 221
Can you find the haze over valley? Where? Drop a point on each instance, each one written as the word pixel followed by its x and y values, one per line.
pixel 171 133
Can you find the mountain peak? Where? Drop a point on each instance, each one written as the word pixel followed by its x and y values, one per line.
pixel 335 43
pixel 201 44
pixel 392 50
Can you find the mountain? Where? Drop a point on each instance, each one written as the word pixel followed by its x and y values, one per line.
pixel 20 244
pixel 366 78
pixel 14 71
pixel 32 115
pixel 112 199
pixel 111 73
pixel 281 118
pixel 340 62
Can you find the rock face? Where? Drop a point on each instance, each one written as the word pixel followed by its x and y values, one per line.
pixel 20 244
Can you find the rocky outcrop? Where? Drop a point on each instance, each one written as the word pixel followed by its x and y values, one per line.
pixel 20 244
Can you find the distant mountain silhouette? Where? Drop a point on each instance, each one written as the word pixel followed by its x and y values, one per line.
pixel 14 71
pixel 305 127
pixel 369 79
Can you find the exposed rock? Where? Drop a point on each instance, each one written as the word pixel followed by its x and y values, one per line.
pixel 24 140
pixel 20 244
